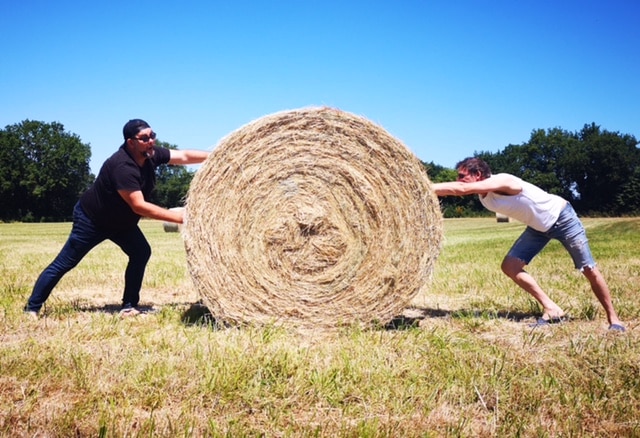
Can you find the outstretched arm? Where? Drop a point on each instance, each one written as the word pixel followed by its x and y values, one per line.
pixel 504 184
pixel 188 156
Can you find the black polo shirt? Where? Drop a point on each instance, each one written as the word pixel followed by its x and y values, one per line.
pixel 102 203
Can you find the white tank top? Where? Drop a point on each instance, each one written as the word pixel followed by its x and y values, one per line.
pixel 532 206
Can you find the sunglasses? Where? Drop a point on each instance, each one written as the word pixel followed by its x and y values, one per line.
pixel 146 138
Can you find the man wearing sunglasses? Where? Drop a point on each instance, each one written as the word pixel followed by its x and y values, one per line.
pixel 110 210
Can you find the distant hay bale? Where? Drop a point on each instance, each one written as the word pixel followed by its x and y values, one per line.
pixel 170 227
pixel 501 217
pixel 311 217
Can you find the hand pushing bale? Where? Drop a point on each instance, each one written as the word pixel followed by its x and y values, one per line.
pixel 172 227
pixel 311 217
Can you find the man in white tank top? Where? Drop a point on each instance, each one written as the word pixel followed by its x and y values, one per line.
pixel 547 217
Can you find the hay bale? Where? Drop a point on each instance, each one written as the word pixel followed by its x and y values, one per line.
pixel 501 217
pixel 170 227
pixel 311 217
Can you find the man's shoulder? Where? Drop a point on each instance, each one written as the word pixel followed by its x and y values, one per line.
pixel 503 175
pixel 118 164
pixel 120 158
pixel 162 155
pixel 504 184
pixel 506 178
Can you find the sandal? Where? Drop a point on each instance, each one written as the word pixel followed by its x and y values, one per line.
pixel 543 322
pixel 617 328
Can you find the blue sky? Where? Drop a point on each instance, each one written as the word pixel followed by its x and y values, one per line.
pixel 447 78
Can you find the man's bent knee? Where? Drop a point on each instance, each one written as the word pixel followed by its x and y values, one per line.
pixel 511 266
pixel 590 271
pixel 142 254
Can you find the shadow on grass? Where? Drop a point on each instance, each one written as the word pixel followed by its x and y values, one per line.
pixel 198 314
pixel 66 309
pixel 418 314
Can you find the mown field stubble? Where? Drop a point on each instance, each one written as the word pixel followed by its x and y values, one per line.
pixel 461 361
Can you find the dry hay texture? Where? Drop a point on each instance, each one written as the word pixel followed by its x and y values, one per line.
pixel 312 217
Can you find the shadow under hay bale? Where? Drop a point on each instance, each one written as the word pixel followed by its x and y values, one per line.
pixel 311 217
pixel 198 314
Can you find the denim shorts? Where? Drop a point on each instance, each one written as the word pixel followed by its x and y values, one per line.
pixel 568 230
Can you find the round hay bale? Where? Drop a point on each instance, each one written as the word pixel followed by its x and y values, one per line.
pixel 502 217
pixel 311 217
pixel 170 227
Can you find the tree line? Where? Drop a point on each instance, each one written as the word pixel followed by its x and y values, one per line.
pixel 44 170
pixel 598 171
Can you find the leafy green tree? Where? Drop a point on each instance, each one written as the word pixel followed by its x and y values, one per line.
pixel 13 165
pixel 628 200
pixel 597 170
pixel 43 170
pixel 594 169
pixel 453 206
pixel 439 173
pixel 539 161
pixel 172 183
pixel 600 167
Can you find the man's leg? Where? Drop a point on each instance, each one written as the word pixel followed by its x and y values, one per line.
pixel 135 245
pixel 514 269
pixel 84 236
pixel 571 233
pixel 602 292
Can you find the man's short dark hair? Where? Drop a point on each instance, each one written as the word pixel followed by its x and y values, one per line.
pixel 474 165
pixel 132 127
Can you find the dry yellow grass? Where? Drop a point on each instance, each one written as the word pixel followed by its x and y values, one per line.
pixel 463 362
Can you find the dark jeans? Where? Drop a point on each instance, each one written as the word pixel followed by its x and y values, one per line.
pixel 83 238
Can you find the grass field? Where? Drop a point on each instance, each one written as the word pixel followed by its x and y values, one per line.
pixel 461 361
